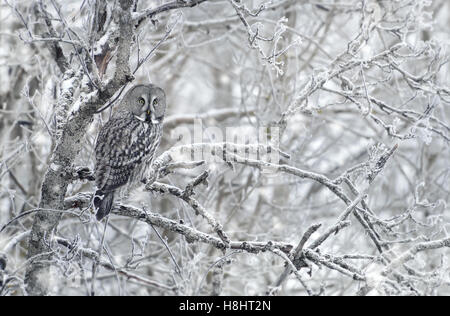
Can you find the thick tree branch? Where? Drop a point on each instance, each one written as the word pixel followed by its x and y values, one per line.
pixel 58 176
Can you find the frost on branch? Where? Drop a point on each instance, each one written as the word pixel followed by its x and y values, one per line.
pixel 305 151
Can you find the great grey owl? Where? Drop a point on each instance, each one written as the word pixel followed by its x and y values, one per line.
pixel 127 143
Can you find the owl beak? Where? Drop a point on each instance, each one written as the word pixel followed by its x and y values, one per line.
pixel 148 116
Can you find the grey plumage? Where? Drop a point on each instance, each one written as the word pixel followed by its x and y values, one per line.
pixel 127 143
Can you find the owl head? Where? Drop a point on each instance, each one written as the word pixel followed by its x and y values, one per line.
pixel 146 102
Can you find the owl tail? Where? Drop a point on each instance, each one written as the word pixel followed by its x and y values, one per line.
pixel 103 204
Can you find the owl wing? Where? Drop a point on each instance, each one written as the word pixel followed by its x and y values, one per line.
pixel 122 144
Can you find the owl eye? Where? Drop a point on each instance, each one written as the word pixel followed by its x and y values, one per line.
pixel 141 101
pixel 155 102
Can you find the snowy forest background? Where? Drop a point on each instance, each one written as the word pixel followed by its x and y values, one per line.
pixel 353 95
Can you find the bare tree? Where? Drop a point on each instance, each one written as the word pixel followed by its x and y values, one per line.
pixel 305 153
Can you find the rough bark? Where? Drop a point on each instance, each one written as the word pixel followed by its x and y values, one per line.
pixel 57 177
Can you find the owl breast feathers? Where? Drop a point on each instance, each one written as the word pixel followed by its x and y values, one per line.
pixel 127 143
pixel 123 144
